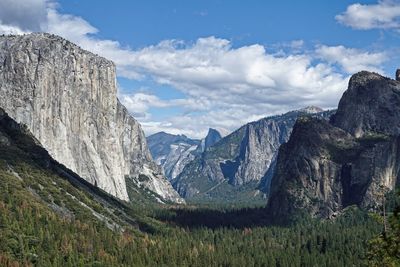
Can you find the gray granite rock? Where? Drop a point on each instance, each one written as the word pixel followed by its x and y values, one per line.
pixel 67 98
pixel 243 157
pixel 353 160
pixel 370 104
pixel 172 152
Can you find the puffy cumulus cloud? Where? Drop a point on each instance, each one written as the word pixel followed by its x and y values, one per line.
pixel 224 86
pixel 246 83
pixel 383 15
pixel 350 59
pixel 140 103
pixel 211 67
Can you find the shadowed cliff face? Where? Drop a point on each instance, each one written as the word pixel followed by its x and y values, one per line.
pixel 213 136
pixel 67 98
pixel 238 165
pixel 371 103
pixel 352 160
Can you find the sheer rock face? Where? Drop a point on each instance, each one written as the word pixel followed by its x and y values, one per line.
pixel 243 157
pixel 212 137
pixel 353 160
pixel 239 158
pixel 67 98
pixel 371 103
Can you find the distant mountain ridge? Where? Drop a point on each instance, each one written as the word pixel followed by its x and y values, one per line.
pixel 174 152
pixel 237 167
pixel 212 137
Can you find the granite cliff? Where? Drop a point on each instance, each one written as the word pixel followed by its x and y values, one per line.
pixel 352 160
pixel 212 137
pixel 237 168
pixel 66 97
pixel 174 152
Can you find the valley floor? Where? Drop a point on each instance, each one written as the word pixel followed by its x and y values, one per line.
pixel 48 217
pixel 32 234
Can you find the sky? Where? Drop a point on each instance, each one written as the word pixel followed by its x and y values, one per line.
pixel 186 66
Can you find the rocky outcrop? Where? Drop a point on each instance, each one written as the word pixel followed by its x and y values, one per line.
pixel 371 103
pixel 352 160
pixel 172 152
pixel 67 98
pixel 239 162
pixel 212 137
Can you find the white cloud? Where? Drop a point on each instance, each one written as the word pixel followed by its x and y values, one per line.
pixel 24 14
pixel 350 59
pixel 224 86
pixel 212 67
pixel 75 28
pixel 383 15
pixel 245 83
pixel 9 29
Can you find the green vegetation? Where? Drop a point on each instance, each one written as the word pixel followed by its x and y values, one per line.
pixel 48 217
pixel 371 138
pixel 344 151
pixel 384 250
pixel 227 147
pixel 35 232
pixel 227 195
pixel 143 178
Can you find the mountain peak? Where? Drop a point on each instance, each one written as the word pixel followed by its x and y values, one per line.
pixel 365 106
pixel 311 109
pixel 212 131
pixel 336 155
pixel 212 137
pixel 364 78
pixel 172 152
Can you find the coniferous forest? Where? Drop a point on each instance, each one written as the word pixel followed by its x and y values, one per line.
pixel 50 217
pixel 35 234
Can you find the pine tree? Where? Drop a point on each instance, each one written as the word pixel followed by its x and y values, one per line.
pixel 384 250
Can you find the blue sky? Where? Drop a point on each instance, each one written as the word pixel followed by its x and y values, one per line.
pixel 184 66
